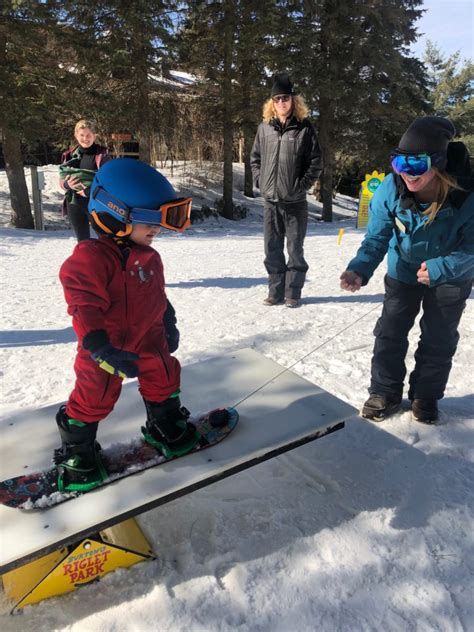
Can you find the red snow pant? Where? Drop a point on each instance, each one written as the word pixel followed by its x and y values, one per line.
pixel 96 391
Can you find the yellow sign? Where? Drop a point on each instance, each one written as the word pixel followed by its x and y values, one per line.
pixel 71 567
pixel 369 186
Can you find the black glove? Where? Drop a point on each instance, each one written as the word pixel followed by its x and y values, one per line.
pixel 172 332
pixel 114 361
pixel 172 338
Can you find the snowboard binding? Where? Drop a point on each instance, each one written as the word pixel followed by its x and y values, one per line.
pixel 77 461
pixel 168 429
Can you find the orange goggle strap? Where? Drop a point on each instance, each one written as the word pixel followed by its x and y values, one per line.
pixel 106 229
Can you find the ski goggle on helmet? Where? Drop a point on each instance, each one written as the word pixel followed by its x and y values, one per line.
pixel 126 192
pixel 416 164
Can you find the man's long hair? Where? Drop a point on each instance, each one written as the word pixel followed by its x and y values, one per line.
pixel 300 110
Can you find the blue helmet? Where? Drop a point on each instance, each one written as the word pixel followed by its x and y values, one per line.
pixel 126 192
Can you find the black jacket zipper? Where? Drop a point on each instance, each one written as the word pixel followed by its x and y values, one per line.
pixel 276 167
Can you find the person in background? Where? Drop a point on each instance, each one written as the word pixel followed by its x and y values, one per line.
pixel 286 161
pixel 76 172
pixel 423 216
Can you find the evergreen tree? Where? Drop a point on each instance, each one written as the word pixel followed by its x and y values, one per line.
pixel 198 132
pixel 206 42
pixel 225 43
pixel 253 54
pixel 29 79
pixel 228 17
pixel 451 90
pixel 351 62
pixel 121 52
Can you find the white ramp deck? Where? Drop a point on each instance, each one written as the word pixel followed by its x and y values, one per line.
pixel 288 411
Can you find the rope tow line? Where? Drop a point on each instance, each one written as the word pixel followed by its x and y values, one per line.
pixel 307 354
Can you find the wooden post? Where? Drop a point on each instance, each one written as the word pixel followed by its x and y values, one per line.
pixel 36 192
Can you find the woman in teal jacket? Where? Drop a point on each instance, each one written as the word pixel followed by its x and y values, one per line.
pixel 422 217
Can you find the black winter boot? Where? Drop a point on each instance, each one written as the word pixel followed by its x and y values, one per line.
pixel 379 406
pixel 425 410
pixel 77 460
pixel 167 427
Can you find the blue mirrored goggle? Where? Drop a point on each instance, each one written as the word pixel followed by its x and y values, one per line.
pixel 173 215
pixel 416 164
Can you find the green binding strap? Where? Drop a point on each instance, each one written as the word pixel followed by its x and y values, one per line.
pixel 100 475
pixel 168 451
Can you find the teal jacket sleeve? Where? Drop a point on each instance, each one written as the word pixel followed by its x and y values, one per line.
pixel 460 261
pixel 379 231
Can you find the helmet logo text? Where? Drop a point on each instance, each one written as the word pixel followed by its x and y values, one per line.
pixel 116 208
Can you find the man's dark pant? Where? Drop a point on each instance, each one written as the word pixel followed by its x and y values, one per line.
pixel 443 306
pixel 285 280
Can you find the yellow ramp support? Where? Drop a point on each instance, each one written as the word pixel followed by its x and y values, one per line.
pixel 77 565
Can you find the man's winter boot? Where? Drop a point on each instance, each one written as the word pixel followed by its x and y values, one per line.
pixel 77 460
pixel 425 410
pixel 167 428
pixel 273 300
pixel 379 406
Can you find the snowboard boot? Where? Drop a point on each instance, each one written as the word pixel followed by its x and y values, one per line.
pixel 379 406
pixel 77 460
pixel 167 428
pixel 425 410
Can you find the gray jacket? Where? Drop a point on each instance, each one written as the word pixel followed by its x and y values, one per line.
pixel 286 161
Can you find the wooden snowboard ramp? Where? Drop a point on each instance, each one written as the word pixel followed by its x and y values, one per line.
pixel 76 565
pixel 278 412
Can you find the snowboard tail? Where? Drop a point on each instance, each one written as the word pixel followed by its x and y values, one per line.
pixel 39 490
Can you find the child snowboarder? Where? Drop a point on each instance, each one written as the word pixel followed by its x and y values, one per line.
pixel 115 291
pixel 423 216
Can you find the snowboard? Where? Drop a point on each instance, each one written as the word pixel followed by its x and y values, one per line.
pixel 39 490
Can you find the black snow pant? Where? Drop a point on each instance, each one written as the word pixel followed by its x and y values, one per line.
pixel 285 280
pixel 79 218
pixel 443 306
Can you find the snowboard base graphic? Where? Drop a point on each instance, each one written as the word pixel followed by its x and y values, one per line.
pixel 39 490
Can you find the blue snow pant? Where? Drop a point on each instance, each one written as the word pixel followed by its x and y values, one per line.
pixel 443 306
pixel 285 280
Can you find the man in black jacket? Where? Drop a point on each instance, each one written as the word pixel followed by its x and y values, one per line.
pixel 286 161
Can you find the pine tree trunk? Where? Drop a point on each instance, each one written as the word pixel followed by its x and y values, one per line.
pixel 248 142
pixel 325 132
pixel 247 83
pixel 227 210
pixel 144 125
pixel 326 191
pixel 144 149
pixel 21 216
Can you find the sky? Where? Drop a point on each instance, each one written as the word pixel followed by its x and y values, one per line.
pixel 450 25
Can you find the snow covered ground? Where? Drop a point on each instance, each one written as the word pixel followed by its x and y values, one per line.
pixel 367 529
